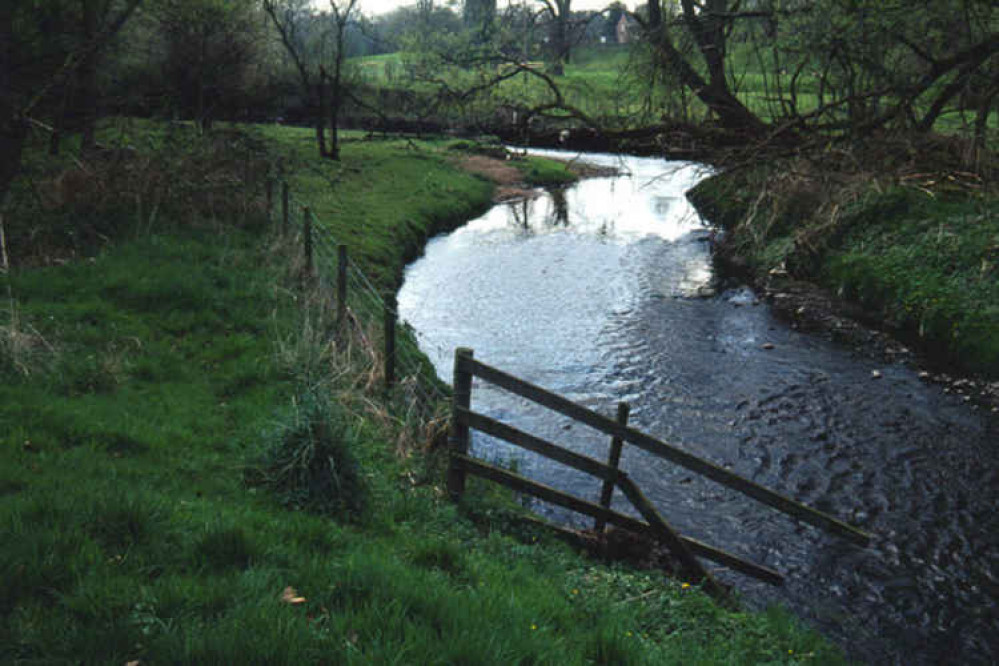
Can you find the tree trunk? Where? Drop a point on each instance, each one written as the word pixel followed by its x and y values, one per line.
pixel 655 16
pixel 13 128
pixel 709 34
pixel 562 39
pixel 560 13
pixel 59 122
pixel 337 96
pixel 321 116
pixel 13 132
pixel 204 125
pixel 334 152
pixel 732 114
pixel 88 78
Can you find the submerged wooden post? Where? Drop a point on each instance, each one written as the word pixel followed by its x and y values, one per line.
pixel 607 492
pixel 458 441
pixel 270 199
pixel 307 233
pixel 390 321
pixel 284 207
pixel 341 285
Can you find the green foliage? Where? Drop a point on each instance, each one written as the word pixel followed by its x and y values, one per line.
pixel 309 461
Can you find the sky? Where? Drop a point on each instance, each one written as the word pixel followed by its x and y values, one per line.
pixel 374 7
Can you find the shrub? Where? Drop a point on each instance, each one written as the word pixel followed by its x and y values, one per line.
pixel 309 462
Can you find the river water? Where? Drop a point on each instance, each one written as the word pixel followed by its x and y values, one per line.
pixel 604 293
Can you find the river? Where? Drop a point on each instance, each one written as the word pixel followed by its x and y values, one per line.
pixel 605 292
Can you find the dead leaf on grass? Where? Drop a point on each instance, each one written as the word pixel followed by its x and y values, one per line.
pixel 290 596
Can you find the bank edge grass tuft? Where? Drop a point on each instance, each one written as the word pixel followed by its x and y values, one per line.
pixel 129 532
pixel 310 463
pixel 918 253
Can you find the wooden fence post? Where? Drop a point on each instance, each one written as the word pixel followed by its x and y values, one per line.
pixel 341 285
pixel 284 207
pixel 390 321
pixel 307 233
pixel 270 200
pixel 458 441
pixel 607 492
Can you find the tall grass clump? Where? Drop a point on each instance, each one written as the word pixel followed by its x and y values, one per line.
pixel 23 349
pixel 309 461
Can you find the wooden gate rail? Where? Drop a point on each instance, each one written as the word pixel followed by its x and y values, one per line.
pixel 596 468
pixel 656 525
pixel 467 366
pixel 683 548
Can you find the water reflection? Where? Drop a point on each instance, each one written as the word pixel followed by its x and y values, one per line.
pixel 559 212
pixel 554 268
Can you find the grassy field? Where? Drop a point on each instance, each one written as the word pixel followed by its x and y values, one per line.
pixel 606 83
pixel 190 475
pixel 595 81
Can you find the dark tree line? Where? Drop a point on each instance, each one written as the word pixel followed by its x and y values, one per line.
pixel 837 67
pixel 49 55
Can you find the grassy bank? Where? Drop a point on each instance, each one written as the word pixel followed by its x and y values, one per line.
pixel 918 251
pixel 191 475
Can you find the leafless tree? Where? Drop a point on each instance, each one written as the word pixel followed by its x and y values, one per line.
pixel 316 45
pixel 24 85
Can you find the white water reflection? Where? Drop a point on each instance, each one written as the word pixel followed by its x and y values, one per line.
pixel 647 199
pixel 553 269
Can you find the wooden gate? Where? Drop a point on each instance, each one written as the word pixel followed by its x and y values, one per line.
pixel 684 549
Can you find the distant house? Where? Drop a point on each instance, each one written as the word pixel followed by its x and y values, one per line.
pixel 625 25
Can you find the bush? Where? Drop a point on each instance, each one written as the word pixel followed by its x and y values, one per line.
pixel 143 178
pixel 309 462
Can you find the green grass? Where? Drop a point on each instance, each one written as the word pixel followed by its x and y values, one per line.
pixel 930 266
pixel 383 199
pixel 143 515
pixel 543 172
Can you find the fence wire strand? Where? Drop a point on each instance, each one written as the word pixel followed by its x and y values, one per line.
pixel 415 373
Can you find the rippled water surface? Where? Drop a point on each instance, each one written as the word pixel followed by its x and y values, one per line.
pixel 602 293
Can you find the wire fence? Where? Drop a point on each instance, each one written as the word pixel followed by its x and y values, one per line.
pixel 370 316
